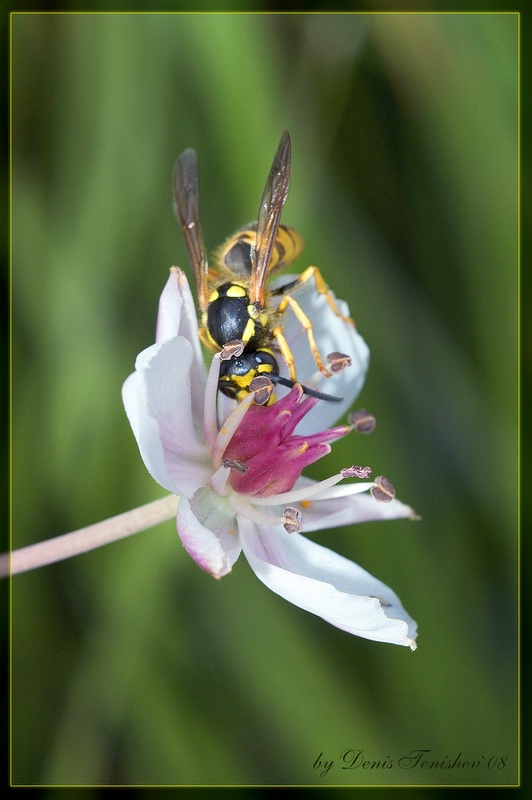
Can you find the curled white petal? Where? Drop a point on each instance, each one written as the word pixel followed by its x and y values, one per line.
pixel 327 584
pixel 146 430
pixel 176 314
pixel 177 317
pixel 345 504
pixel 158 403
pixel 336 504
pixel 323 514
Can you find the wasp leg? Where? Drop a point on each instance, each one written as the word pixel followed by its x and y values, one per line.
pixel 307 325
pixel 285 352
pixel 321 287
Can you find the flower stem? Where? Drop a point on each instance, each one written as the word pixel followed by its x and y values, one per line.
pixel 89 538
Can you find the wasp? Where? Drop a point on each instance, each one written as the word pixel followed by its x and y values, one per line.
pixel 241 317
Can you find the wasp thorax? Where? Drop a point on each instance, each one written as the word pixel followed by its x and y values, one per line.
pixel 231 316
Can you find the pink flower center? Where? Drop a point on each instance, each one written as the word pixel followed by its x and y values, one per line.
pixel 264 455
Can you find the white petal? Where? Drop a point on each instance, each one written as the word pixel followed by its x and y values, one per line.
pixel 158 403
pixel 327 584
pixel 146 430
pixel 351 509
pixel 332 334
pixel 177 317
pixel 211 540
pixel 352 504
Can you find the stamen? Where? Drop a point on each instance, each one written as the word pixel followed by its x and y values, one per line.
pixel 219 481
pixel 314 380
pixel 262 387
pixel 355 472
pixel 239 506
pixel 228 430
pixel 383 490
pixel 323 490
pixel 232 349
pixel 361 421
pixel 210 421
pixel 344 490
pixel 338 361
pixel 233 463
pixel 294 518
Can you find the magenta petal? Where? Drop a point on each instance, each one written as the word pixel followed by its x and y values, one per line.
pixel 305 404
pixel 262 431
pixel 268 458
pixel 274 472
pixel 265 427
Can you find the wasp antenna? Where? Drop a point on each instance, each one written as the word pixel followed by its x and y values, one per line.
pixel 330 398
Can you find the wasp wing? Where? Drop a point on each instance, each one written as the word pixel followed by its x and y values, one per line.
pixel 273 200
pixel 185 181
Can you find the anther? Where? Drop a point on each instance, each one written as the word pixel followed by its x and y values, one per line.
pixel 338 361
pixel 294 519
pixel 232 349
pixel 262 387
pixel 233 463
pixel 383 490
pixel 362 421
pixel 355 472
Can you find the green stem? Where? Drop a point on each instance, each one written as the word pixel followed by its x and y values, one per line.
pixel 85 539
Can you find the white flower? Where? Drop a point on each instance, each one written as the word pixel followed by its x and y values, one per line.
pixel 240 482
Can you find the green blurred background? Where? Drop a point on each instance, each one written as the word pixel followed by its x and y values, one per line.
pixel 131 665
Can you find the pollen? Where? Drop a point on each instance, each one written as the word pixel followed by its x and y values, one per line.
pixel 383 491
pixel 305 503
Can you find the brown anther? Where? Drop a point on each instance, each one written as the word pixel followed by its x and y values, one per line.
pixel 383 491
pixel 233 463
pixel 294 519
pixel 338 361
pixel 355 472
pixel 262 387
pixel 232 349
pixel 361 421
